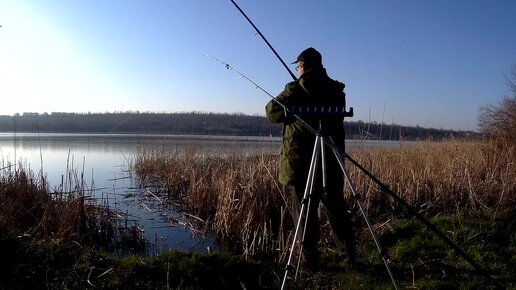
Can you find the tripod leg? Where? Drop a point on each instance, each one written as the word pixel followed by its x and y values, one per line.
pixel 362 211
pixel 304 204
pixel 323 166
pixel 310 235
pixel 308 249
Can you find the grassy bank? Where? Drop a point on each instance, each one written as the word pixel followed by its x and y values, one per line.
pixel 466 188
pixel 59 240
pixel 420 261
pixel 242 200
pixel 43 231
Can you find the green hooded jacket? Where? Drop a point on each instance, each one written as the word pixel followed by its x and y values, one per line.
pixel 313 88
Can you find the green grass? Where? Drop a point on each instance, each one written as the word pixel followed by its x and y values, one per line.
pixel 472 202
pixel 418 259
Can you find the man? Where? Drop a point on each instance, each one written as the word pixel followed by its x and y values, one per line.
pixel 313 89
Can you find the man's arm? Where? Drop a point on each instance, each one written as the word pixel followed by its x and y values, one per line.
pixel 275 109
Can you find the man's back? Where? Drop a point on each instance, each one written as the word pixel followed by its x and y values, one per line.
pixel 313 89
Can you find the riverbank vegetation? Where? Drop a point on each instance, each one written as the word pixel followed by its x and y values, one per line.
pixel 467 190
pixel 60 239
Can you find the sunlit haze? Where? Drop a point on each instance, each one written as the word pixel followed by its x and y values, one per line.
pixel 426 63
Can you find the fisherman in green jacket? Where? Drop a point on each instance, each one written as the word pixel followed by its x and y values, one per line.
pixel 313 89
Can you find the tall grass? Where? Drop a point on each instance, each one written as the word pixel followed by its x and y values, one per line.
pixel 440 177
pixel 30 210
pixel 241 201
pixel 237 196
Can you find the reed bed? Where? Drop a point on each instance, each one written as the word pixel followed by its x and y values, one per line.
pixel 440 177
pixel 67 215
pixel 28 208
pixel 240 200
pixel 236 196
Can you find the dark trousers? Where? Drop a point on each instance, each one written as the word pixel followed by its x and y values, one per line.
pixel 333 205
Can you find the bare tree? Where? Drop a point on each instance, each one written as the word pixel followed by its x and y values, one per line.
pixel 499 120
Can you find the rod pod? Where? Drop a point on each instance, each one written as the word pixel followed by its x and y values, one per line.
pixel 319 154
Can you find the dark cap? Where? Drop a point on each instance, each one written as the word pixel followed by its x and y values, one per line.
pixel 310 57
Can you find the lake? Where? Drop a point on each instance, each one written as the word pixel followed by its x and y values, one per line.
pixel 104 162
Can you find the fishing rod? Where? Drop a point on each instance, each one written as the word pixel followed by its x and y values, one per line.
pixel 383 187
pixel 264 39
pixel 285 109
pixel 289 111
pixel 229 67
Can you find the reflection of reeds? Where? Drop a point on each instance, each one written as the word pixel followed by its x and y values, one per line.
pixel 242 198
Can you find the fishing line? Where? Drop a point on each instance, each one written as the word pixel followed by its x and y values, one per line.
pixel 119 124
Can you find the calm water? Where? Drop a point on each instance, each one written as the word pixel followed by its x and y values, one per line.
pixel 104 162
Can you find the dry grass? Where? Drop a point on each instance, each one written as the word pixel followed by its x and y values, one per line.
pixel 29 209
pixel 440 177
pixel 237 196
pixel 240 200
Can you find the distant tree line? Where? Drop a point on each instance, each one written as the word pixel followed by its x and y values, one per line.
pixel 197 123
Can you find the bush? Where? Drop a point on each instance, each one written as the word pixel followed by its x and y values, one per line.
pixel 499 121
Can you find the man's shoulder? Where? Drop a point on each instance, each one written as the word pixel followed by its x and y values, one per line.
pixel 292 85
pixel 292 88
pixel 337 84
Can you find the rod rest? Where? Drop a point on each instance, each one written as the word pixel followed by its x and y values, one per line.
pixel 316 111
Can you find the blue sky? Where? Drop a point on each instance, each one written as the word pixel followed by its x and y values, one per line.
pixel 426 63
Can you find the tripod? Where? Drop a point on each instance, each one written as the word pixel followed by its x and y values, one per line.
pixel 319 154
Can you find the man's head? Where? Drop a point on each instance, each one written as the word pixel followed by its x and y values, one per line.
pixel 308 59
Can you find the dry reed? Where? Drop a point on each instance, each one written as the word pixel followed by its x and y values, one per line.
pixel 30 209
pixel 238 195
pixel 240 198
pixel 440 177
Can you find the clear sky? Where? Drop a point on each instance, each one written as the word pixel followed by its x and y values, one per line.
pixel 430 63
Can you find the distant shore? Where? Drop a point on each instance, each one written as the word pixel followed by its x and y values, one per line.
pixel 201 124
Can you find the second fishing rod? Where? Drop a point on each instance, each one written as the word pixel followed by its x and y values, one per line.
pixel 382 187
